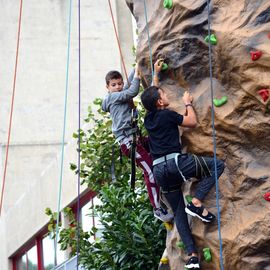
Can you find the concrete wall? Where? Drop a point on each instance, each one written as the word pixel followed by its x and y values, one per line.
pixel 34 155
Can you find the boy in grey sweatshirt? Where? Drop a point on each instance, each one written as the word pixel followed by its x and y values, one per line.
pixel 118 103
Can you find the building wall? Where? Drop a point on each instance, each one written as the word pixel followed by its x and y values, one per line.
pixel 35 148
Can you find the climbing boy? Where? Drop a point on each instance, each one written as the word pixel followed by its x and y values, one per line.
pixel 171 168
pixel 118 103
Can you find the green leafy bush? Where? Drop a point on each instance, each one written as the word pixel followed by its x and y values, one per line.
pixel 131 238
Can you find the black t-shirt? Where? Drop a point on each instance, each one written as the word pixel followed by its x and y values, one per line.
pixel 162 127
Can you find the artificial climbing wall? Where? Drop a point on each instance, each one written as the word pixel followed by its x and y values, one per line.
pixel 241 65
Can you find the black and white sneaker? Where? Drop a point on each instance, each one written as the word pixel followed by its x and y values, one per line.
pixel 163 215
pixel 194 211
pixel 193 263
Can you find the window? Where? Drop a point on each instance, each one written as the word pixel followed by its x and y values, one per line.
pixel 28 261
pixel 38 253
pixel 89 219
pixel 49 254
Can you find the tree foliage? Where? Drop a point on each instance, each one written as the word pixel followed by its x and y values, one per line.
pixel 131 238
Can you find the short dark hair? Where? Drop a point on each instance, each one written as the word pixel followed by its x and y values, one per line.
pixel 149 98
pixel 111 75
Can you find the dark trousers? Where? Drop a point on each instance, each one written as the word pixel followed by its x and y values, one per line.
pixel 170 179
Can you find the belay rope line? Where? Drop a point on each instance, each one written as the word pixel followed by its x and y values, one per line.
pixel 148 38
pixel 118 41
pixel 133 115
pixel 214 136
pixel 12 105
pixel 63 134
pixel 79 137
pixel 212 116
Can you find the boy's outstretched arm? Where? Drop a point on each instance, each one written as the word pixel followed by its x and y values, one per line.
pixel 132 90
pixel 190 119
pixel 133 74
pixel 157 69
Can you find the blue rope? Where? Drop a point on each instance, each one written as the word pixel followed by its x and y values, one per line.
pixel 214 137
pixel 64 132
pixel 79 137
pixel 149 45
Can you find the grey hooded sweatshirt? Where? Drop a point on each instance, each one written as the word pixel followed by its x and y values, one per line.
pixel 117 104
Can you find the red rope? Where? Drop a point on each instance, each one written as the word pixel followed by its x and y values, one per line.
pixel 11 109
pixel 118 42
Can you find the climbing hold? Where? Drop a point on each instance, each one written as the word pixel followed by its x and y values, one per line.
pixel 164 67
pixel 181 245
pixel 269 35
pixel 218 102
pixel 213 39
pixel 267 196
pixel 168 4
pixel 207 254
pixel 168 226
pixel 264 93
pixel 164 260
pixel 188 198
pixel 255 55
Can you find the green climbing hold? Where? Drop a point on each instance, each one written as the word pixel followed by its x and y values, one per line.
pixel 218 102
pixel 188 198
pixel 213 39
pixel 181 245
pixel 164 67
pixel 168 4
pixel 207 254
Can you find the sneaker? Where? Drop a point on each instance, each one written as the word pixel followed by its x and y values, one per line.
pixel 163 215
pixel 193 263
pixel 194 211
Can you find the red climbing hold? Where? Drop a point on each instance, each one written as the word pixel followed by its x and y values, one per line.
pixel 255 55
pixel 264 93
pixel 269 35
pixel 267 196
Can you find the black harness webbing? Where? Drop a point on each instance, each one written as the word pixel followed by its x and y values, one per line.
pixel 133 150
pixel 202 169
pixel 113 166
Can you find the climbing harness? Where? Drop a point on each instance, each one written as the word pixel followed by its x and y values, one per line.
pixel 214 136
pixel 12 105
pixel 168 157
pixel 202 169
pixel 63 133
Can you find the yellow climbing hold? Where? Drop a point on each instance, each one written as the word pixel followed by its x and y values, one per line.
pixel 164 260
pixel 168 226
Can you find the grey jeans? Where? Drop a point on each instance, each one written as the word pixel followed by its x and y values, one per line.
pixel 169 179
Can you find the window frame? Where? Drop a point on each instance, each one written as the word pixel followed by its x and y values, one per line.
pixel 85 197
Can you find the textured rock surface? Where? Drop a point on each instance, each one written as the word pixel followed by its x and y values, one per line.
pixel 242 125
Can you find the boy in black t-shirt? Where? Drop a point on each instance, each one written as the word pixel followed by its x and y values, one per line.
pixel 171 168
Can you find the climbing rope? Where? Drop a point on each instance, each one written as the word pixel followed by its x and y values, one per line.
pixel 149 43
pixel 214 136
pixel 63 133
pixel 79 137
pixel 118 41
pixel 12 105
